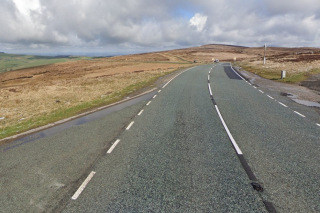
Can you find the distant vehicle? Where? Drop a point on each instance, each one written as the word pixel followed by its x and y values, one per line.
pixel 217 60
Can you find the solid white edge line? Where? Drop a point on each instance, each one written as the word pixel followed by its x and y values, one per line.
pixel 154 96
pixel 83 185
pixel 299 114
pixel 130 125
pixel 113 146
pixel 148 103
pixel 270 97
pixel 261 91
pixel 210 89
pixel 236 72
pixel 282 104
pixel 235 145
pixel 140 112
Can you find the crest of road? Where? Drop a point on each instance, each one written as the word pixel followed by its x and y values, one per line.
pixel 207 141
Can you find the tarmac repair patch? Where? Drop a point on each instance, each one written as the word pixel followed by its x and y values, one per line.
pixel 231 74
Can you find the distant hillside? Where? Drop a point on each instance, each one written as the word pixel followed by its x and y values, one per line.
pixel 10 62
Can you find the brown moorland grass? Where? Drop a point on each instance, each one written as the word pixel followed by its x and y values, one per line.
pixel 37 96
pixel 272 71
pixel 299 66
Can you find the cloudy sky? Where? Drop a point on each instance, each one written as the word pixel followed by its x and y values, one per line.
pixel 127 26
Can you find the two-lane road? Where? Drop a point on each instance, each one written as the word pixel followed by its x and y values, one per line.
pixel 175 157
pixel 173 153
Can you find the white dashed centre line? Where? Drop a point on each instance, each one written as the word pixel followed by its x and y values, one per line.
pixel 175 77
pixel 148 103
pixel 154 96
pixel 254 87
pixel 166 84
pixel 318 124
pixel 159 91
pixel 261 91
pixel 83 185
pixel 210 89
pixel 270 97
pixel 282 104
pixel 113 146
pixel 140 112
pixel 299 114
pixel 130 125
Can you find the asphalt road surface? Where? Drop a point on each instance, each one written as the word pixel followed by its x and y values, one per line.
pixel 208 141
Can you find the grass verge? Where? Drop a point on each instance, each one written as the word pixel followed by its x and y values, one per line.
pixel 64 113
pixel 275 74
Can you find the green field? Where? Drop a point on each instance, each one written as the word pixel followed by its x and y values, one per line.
pixel 10 62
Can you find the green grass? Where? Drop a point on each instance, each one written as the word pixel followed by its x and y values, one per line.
pixel 68 112
pixel 275 74
pixel 10 62
pixel 299 77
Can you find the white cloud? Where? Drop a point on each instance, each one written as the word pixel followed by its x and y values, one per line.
pixel 148 25
pixel 25 6
pixel 199 21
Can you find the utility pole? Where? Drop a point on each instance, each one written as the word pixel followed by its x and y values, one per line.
pixel 264 58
